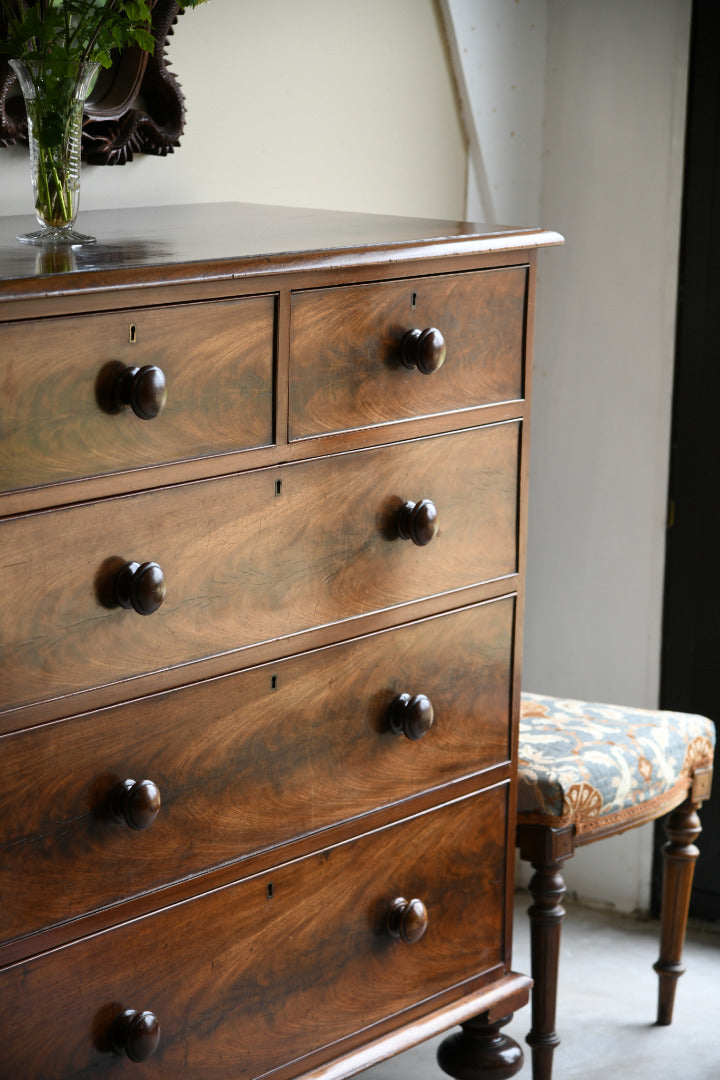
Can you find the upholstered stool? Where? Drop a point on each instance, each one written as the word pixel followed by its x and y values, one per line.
pixel 589 771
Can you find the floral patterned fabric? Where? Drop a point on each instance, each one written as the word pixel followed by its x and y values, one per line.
pixel 601 766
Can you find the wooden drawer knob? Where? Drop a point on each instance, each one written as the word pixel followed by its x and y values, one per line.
pixel 411 716
pixel 417 522
pixel 423 349
pixel 407 920
pixel 136 804
pixel 135 1034
pixel 140 586
pixel 142 388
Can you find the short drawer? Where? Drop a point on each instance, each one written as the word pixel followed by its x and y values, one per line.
pixel 346 369
pixel 76 401
pixel 282 751
pixel 249 558
pixel 258 974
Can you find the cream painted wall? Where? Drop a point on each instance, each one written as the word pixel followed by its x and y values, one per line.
pixel 344 105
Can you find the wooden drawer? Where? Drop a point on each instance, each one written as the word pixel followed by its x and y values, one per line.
pixel 59 417
pixel 250 558
pixel 345 366
pixel 283 750
pixel 284 963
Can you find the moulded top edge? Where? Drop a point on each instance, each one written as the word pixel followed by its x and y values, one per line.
pixel 154 245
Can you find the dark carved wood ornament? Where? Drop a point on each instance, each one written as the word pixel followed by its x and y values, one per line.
pixel 136 107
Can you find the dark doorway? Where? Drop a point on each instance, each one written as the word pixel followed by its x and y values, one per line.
pixel 691 631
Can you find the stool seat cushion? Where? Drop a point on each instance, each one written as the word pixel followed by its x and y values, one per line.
pixel 604 767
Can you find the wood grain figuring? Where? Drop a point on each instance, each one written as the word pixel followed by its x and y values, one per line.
pixel 281 751
pixel 250 558
pixel 346 367
pixel 263 500
pixel 59 420
pixel 295 962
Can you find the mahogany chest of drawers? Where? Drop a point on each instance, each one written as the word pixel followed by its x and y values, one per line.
pixel 262 528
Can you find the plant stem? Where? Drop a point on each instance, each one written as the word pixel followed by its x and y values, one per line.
pixel 59 190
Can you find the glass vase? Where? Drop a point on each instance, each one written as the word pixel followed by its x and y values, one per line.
pixel 55 97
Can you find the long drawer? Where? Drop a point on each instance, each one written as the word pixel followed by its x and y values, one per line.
pixel 250 558
pixel 246 762
pixel 346 365
pixel 77 402
pixel 282 964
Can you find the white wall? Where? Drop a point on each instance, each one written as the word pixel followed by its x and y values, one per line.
pixel 499 52
pixel 603 166
pixel 612 184
pixel 344 105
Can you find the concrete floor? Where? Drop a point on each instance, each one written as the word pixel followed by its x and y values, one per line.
pixel 606 1005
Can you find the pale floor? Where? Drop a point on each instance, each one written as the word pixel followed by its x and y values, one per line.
pixel 606 1006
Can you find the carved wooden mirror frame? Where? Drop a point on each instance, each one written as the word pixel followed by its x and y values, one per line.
pixel 136 106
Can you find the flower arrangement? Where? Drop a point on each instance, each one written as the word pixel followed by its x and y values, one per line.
pixel 55 48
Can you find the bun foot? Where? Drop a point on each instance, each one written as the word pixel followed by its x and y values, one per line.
pixel 480 1052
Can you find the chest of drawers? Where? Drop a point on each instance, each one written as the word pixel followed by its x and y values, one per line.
pixel 262 526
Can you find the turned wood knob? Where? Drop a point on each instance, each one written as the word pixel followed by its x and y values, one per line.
pixel 407 920
pixel 417 522
pixel 411 716
pixel 423 349
pixel 142 388
pixel 136 1034
pixel 140 586
pixel 136 804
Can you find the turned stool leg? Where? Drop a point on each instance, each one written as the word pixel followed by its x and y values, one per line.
pixel 679 855
pixel 546 914
pixel 546 849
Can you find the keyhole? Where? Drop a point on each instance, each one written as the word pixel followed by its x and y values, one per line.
pixel 278 487
pixel 133 334
pixel 270 890
pixel 413 300
pixel 273 682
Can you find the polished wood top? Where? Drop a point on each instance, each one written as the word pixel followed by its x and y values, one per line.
pixel 154 245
